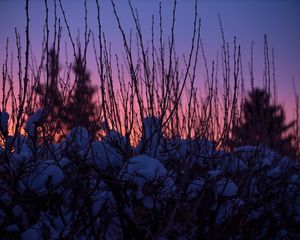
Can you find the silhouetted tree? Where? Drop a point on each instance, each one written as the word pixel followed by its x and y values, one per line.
pixel 81 109
pixel 51 99
pixel 264 123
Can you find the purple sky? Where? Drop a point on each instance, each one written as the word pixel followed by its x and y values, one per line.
pixel 246 19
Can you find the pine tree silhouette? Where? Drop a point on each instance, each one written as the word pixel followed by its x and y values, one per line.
pixel 51 99
pixel 81 109
pixel 264 123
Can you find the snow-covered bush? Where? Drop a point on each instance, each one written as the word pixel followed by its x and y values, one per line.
pixel 83 188
pixel 33 122
pixel 149 160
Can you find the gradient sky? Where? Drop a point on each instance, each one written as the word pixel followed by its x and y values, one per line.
pixel 248 20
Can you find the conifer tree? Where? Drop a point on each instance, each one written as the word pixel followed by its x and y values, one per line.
pixel 264 123
pixel 51 99
pixel 81 109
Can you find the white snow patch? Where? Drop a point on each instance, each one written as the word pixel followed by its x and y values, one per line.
pixel 148 202
pixel 115 139
pixel 22 150
pixel 6 198
pixel 99 199
pixel 12 228
pixel 213 173
pixel 32 233
pixel 235 165
pixel 17 211
pixel 227 209
pixel 195 188
pixel 226 188
pixel 104 155
pixel 269 157
pixel 47 175
pixel 295 178
pixel 32 122
pixel 273 172
pixel 35 232
pixel 54 151
pixel 143 168
pixel 253 187
pixel 255 214
pixel 64 162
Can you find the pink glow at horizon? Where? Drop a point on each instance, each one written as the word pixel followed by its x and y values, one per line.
pixel 247 20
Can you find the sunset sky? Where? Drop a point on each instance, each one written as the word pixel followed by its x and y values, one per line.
pixel 248 20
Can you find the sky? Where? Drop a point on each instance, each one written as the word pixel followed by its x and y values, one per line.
pixel 248 20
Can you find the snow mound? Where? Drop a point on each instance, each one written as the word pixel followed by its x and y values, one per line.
pixel 227 209
pixel 104 155
pixel 213 173
pixel 226 188
pixel 38 230
pixel 22 151
pixel 33 121
pixel 47 175
pixel 78 136
pixel 143 168
pixel 115 139
pixel 235 165
pixel 195 188
pixel 77 141
pixel 273 172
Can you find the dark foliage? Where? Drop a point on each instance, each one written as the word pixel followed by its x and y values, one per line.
pixel 264 123
pixel 51 98
pixel 81 109
pixel 74 108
